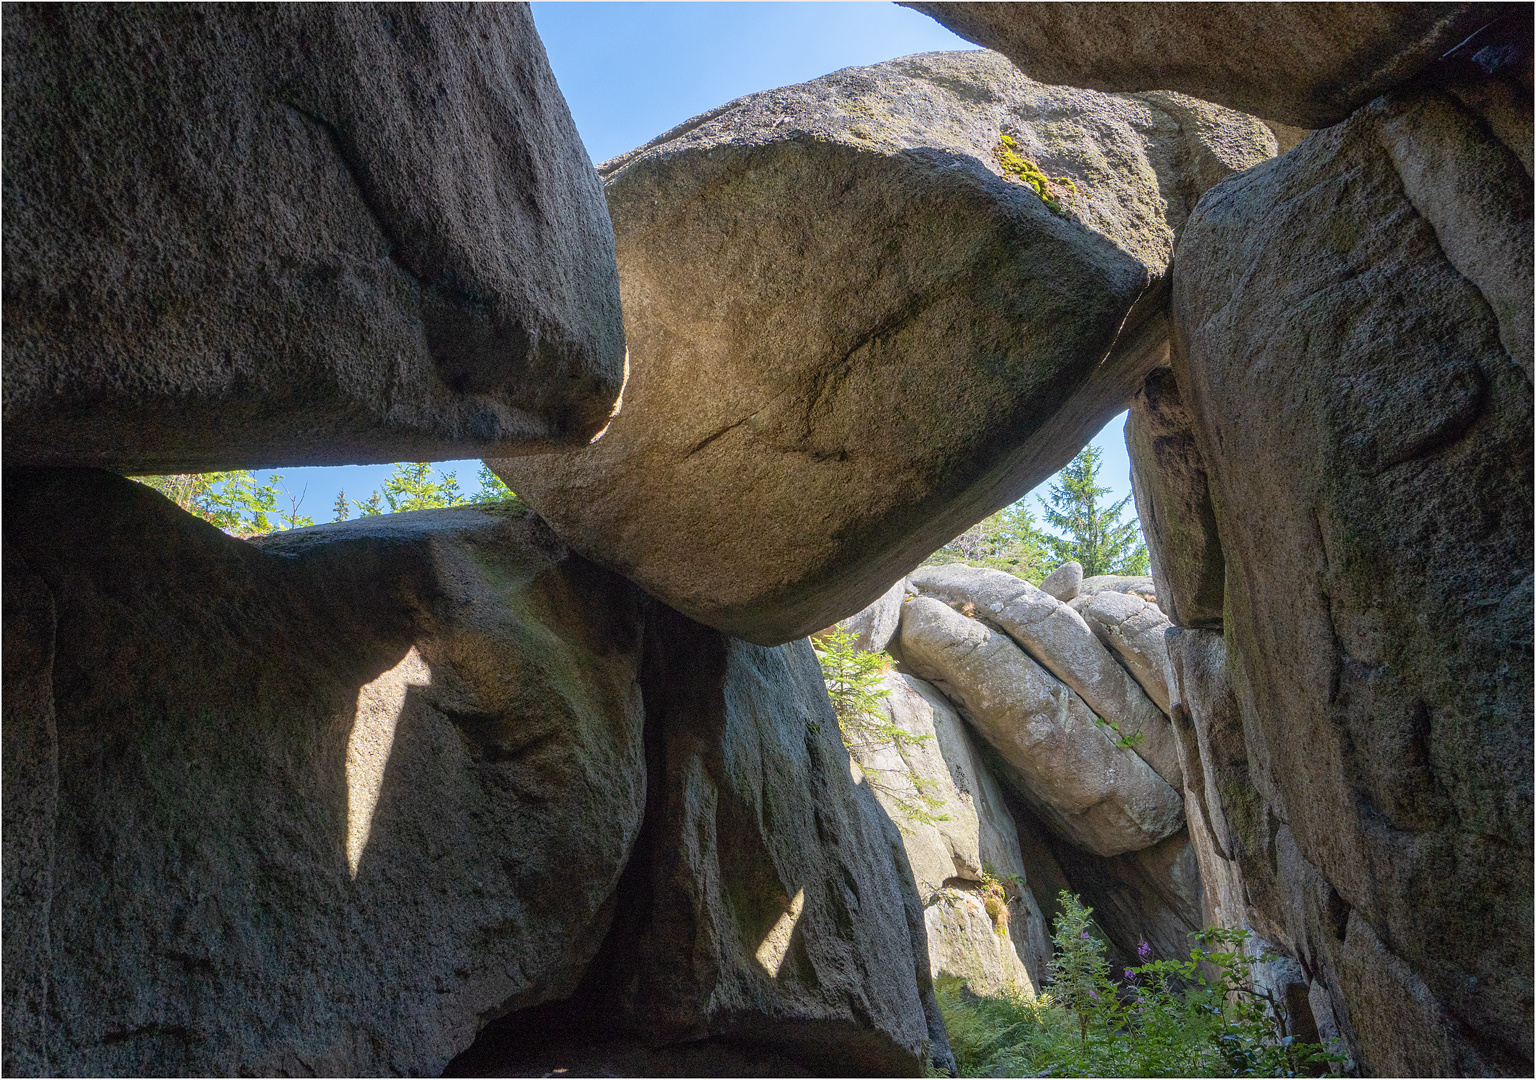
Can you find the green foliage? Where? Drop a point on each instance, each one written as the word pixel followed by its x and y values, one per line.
pixel 232 501
pixel 853 686
pixel 372 508
pixel 1092 535
pixel 492 487
pixel 341 508
pixel 411 487
pixel 1009 540
pixel 1194 1017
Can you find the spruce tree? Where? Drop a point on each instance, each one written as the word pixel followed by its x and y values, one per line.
pixel 1093 536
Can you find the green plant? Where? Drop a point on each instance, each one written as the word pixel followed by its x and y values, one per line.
pixel 492 487
pixel 232 501
pixel 1020 168
pixel 1009 540
pixel 1094 536
pixel 411 487
pixel 1194 1017
pixel 853 686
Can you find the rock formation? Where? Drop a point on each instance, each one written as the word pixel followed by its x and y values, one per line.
pixel 1305 65
pixel 811 275
pixel 982 920
pixel 332 802
pixel 251 235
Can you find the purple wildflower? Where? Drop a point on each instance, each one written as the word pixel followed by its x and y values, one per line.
pixel 1093 994
pixel 1144 951
pixel 1085 935
pixel 1131 975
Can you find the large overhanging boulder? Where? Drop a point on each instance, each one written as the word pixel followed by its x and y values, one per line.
pixel 853 332
pixel 1307 65
pixel 249 235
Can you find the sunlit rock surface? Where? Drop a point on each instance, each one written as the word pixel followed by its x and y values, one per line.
pixel 853 333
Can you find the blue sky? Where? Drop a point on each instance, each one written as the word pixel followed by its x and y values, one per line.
pixel 630 71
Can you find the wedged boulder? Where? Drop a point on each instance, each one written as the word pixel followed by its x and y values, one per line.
pixel 252 235
pixel 321 806
pixel 898 337
pixel 1134 630
pixel 768 903
pixel 1140 584
pixel 959 838
pixel 1173 503
pixel 1060 640
pixel 874 627
pixel 1307 65
pixel 1367 432
pixel 1059 757
pixel 1063 582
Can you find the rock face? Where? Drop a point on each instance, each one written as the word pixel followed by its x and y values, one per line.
pixel 1063 582
pixel 332 802
pixel 1173 503
pixel 761 906
pixel 812 274
pixel 324 805
pixel 1307 65
pixel 1069 769
pixel 253 235
pixel 873 628
pixel 1360 389
pixel 971 836
pixel 1058 639
pixel 1133 629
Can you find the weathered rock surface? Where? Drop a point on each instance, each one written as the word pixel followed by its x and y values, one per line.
pixel 1058 638
pixel 1308 65
pixel 768 901
pixel 250 235
pixel 1064 763
pixel 1361 394
pixel 874 627
pixel 324 805
pixel 812 274
pixel 1173 503
pixel 1134 630
pixel 1063 582
pixel 970 834
pixel 1139 585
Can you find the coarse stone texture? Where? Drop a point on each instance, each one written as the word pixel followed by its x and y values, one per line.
pixel 1060 640
pixel 852 334
pixel 1063 582
pixel 873 628
pixel 1307 65
pixel 1056 753
pixel 1173 504
pixel 1140 584
pixel 1133 629
pixel 262 234
pixel 956 830
pixel 769 900
pixel 1361 395
pixel 31 779
pixel 323 805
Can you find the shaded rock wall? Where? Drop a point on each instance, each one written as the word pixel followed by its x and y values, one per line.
pixel 332 801
pixel 263 234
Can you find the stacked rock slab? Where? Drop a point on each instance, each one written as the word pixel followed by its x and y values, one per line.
pixel 960 840
pixel 249 235
pixel 330 803
pixel 1064 762
pixel 1057 637
pixel 897 336
pixel 1375 504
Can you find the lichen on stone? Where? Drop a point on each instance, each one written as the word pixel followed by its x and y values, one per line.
pixel 1022 170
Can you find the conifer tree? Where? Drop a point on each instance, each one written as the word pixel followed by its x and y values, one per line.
pixel 1093 536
